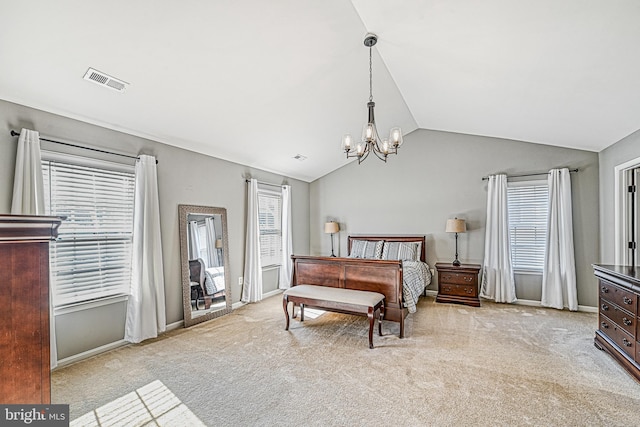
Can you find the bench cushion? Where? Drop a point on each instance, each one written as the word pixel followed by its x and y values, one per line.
pixel 339 295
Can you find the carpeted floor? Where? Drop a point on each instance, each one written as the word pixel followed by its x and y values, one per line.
pixel 494 365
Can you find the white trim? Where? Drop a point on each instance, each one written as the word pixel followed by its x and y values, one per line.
pixel 86 305
pixel 528 272
pixel 73 159
pixel 237 305
pixel 108 347
pixel 90 353
pixel 621 255
pixel 431 293
pixel 533 303
pixel 272 293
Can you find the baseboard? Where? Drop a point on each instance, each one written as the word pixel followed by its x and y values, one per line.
pixel 107 347
pixel 89 353
pixel 272 293
pixel 533 303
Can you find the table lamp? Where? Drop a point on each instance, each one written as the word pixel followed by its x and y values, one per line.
pixel 331 227
pixel 456 226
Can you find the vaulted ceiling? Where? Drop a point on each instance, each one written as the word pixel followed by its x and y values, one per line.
pixel 259 82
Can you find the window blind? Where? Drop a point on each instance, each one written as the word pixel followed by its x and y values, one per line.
pixel 528 207
pixel 92 256
pixel 270 220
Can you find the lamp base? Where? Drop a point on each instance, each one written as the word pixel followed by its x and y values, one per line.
pixel 456 262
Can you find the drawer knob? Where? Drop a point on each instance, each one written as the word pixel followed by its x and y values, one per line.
pixel 604 325
pixel 605 290
pixel 626 342
pixel 626 321
pixel 469 291
pixel 627 300
pixel 468 279
pixel 605 307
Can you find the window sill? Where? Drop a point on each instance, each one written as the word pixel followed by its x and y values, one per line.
pixel 271 267
pixel 87 305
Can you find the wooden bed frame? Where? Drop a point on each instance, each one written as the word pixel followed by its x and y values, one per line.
pixel 374 275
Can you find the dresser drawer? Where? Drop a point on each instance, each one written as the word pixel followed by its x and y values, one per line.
pixel 618 335
pixel 619 316
pixel 459 290
pixel 459 278
pixel 625 299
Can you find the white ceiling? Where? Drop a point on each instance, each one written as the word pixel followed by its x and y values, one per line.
pixel 257 82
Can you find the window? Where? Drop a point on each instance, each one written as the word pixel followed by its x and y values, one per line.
pixel 528 206
pixel 270 220
pixel 92 257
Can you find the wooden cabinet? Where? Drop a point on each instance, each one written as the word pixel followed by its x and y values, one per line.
pixel 618 332
pixel 24 308
pixel 458 284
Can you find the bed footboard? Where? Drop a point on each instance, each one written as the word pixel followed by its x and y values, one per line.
pixel 372 275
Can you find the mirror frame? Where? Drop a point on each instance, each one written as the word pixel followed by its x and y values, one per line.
pixel 183 212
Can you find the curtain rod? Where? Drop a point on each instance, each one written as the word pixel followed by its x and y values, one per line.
pixel 266 183
pixel 484 178
pixel 14 133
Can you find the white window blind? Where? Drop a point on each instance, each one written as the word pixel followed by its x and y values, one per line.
pixel 92 257
pixel 270 220
pixel 528 207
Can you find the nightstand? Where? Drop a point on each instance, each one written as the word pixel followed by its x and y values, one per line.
pixel 458 284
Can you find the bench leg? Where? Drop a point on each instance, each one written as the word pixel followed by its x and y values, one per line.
pixel 285 306
pixel 381 316
pixel 402 325
pixel 372 321
pixel 302 312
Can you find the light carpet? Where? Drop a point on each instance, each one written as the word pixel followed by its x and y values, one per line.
pixel 493 365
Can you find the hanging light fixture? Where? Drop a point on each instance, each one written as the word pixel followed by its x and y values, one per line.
pixel 370 142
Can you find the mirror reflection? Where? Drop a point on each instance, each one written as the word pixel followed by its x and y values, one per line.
pixel 204 257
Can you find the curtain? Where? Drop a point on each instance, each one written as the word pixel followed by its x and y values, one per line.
pixel 497 273
pixel 146 307
pixel 286 266
pixel 193 246
pixel 212 252
pixel 28 199
pixel 252 289
pixel 559 275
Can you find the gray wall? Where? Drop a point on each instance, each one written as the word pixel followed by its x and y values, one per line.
pixel 623 151
pixel 438 175
pixel 184 177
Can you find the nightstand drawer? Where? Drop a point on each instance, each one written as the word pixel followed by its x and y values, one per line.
pixel 623 319
pixel 618 335
pixel 625 299
pixel 459 290
pixel 459 278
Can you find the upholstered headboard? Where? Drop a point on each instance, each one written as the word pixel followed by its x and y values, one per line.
pixel 389 238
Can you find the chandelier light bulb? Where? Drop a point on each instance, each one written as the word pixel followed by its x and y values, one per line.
pixel 346 142
pixel 385 146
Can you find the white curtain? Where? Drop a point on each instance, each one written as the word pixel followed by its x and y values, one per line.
pixel 212 252
pixel 497 272
pixel 146 307
pixel 252 289
pixel 559 275
pixel 286 266
pixel 28 199
pixel 194 243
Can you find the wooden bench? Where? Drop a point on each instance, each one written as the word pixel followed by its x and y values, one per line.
pixel 348 301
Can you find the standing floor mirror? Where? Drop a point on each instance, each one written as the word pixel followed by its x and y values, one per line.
pixel 204 255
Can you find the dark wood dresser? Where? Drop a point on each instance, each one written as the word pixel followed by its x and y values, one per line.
pixel 458 284
pixel 24 308
pixel 618 332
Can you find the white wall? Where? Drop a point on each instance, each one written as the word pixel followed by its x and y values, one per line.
pixel 621 152
pixel 438 175
pixel 184 177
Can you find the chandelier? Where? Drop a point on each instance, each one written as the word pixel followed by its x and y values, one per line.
pixel 370 142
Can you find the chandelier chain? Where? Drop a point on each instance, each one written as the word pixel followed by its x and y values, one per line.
pixel 370 78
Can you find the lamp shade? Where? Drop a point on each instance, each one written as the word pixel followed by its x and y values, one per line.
pixel 456 226
pixel 331 227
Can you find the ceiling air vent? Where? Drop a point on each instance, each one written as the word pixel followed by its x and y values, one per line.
pixel 102 79
pixel 300 157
